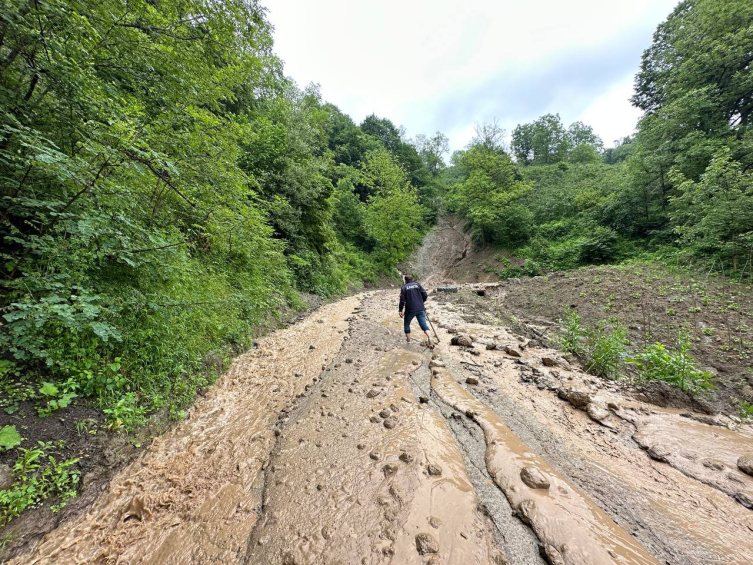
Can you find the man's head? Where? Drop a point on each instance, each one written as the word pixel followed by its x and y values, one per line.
pixel 408 278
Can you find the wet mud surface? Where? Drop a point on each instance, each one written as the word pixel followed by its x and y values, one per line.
pixel 336 442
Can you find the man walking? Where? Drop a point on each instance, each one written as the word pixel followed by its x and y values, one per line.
pixel 412 296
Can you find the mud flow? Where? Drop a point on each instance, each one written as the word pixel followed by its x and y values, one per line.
pixel 336 442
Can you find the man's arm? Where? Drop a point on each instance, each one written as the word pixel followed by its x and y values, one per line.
pixel 424 294
pixel 402 300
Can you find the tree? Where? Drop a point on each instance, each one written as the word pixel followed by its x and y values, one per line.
pixel 394 216
pixel 490 194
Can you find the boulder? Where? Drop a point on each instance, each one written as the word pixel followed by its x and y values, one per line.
pixel 462 341
pixel 534 478
pixel 426 543
pixel 579 398
pixel 512 352
pixel 745 463
pixel 597 412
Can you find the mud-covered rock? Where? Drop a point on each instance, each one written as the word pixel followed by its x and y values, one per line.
pixel 512 352
pixel 426 543
pixel 549 361
pixel 406 457
pixel 434 470
pixel 597 412
pixel 384 413
pixel 390 423
pixel 471 381
pixel 534 478
pixel 462 341
pixel 745 463
pixel 389 469
pixel 373 393
pixel 436 363
pixel 491 346
pixel 526 509
pixel 658 453
pixel 714 464
pixel 435 522
pixel 579 398
pixel 6 477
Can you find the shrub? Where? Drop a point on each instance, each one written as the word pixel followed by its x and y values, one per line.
pixel 571 338
pixel 605 349
pixel 676 367
pixel 600 247
pixel 36 480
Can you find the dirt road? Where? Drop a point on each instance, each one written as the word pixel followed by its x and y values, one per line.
pixel 335 441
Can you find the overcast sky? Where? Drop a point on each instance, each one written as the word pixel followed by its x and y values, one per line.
pixel 446 64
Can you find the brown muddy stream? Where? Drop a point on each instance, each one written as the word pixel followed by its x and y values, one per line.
pixel 335 442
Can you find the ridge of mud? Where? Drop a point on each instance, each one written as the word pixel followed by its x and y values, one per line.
pixel 519 541
pixel 572 529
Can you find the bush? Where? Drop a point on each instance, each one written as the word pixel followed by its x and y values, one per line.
pixel 658 363
pixel 600 247
pixel 605 350
pixel 571 338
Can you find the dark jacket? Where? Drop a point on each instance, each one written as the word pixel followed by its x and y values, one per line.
pixel 412 297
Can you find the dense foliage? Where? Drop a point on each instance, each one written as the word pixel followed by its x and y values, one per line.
pixel 682 185
pixel 164 190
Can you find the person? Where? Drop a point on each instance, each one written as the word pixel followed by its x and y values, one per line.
pixel 412 297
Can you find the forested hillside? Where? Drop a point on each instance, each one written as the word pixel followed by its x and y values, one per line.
pixel 165 189
pixel 680 188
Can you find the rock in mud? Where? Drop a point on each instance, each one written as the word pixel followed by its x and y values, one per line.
pixel 579 398
pixel 426 543
pixel 436 363
pixel 373 393
pixel 406 457
pixel 471 381
pixel 390 422
pixel 512 352
pixel 714 464
pixel 491 346
pixel 389 469
pixel 462 341
pixel 434 470
pixel 435 522
pixel 312 346
pixel 597 412
pixel 658 453
pixel 549 362
pixel 745 463
pixel 534 478
pixel 375 456
pixel 6 477
pixel 384 413
pixel 423 399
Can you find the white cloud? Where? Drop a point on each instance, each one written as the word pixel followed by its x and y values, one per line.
pixel 445 64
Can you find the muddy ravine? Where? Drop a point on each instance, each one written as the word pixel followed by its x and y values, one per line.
pixel 335 442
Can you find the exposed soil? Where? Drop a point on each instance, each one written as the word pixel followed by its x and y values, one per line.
pixel 335 441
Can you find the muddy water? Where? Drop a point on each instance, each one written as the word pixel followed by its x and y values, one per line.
pixel 679 518
pixel 572 529
pixel 192 496
pixel 707 453
pixel 345 488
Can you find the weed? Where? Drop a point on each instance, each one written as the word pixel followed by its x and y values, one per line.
pixel 676 367
pixel 571 338
pixel 605 349
pixel 745 410
pixel 9 438
pixel 694 309
pixel 707 331
pixel 36 480
pixel 671 312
